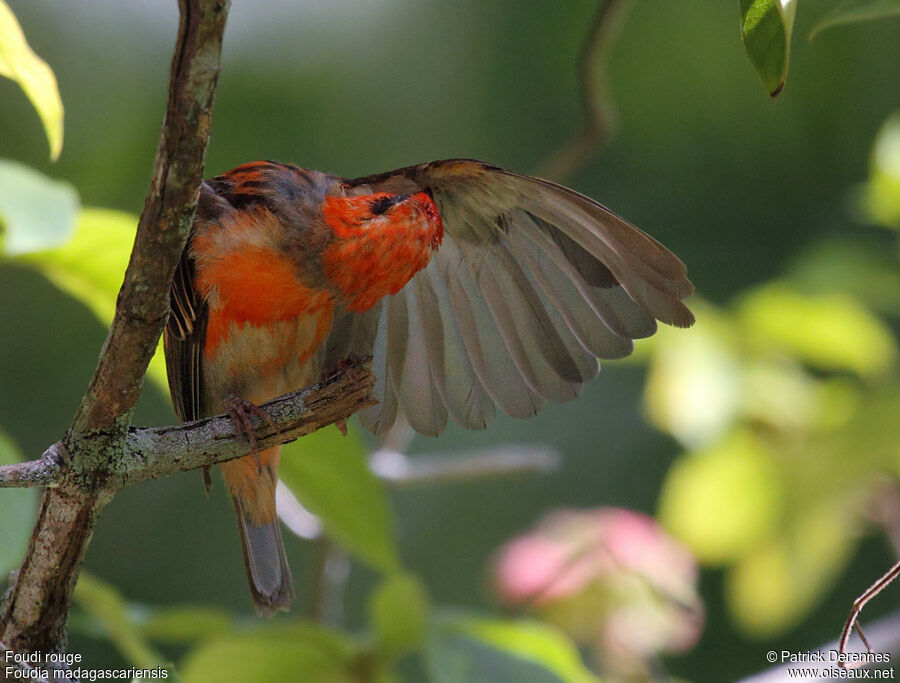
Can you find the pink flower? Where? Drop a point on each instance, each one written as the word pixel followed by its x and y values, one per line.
pixel 610 577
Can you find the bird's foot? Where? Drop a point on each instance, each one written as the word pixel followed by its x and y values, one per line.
pixel 240 411
pixel 341 366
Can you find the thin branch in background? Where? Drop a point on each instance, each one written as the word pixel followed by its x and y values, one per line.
pixel 599 117
pixel 330 578
pixel 510 459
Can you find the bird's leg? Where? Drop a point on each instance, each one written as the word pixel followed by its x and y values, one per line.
pixel 240 411
pixel 207 481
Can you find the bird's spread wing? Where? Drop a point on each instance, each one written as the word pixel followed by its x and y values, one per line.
pixel 531 284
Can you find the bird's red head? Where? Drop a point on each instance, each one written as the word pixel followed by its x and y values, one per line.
pixel 383 240
pixel 417 214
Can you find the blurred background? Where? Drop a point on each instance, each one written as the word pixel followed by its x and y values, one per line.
pixel 764 440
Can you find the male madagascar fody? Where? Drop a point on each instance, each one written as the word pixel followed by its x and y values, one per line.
pixel 472 287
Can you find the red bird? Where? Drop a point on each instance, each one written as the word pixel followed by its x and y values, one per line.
pixel 472 287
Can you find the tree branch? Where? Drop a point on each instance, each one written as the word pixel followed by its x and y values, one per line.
pixel 156 452
pixel 33 611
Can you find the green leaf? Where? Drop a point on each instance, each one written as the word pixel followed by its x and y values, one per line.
pixel 36 79
pixel 299 652
pixel 330 475
pixel 18 511
pixel 830 331
pixel 398 610
pixel 468 649
pixel 766 31
pixel 722 501
pixel 185 623
pixel 854 11
pixel 107 605
pixel 91 265
pixel 36 212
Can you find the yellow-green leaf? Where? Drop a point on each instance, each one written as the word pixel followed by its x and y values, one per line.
pixel 398 609
pixel 722 501
pixel 766 31
pixel 854 11
pixel 694 383
pixel 34 76
pixel 301 652
pixel 467 649
pixel 773 588
pixel 330 476
pixel 91 266
pixel 36 212
pixel 830 331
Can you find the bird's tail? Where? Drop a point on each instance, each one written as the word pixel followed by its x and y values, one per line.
pixel 251 483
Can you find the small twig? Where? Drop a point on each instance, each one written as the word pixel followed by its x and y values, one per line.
pixel 859 604
pixel 598 113
pixel 396 468
pixel 327 588
pixel 42 472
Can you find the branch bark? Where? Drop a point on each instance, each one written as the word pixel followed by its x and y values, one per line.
pixel 156 452
pixel 33 611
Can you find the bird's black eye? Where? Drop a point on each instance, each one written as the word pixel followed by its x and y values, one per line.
pixel 382 204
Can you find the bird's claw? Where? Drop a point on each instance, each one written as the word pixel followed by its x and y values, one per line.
pixel 240 411
pixel 341 366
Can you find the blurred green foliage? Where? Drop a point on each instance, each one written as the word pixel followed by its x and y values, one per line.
pixel 16 513
pixel 775 398
pixel 783 398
